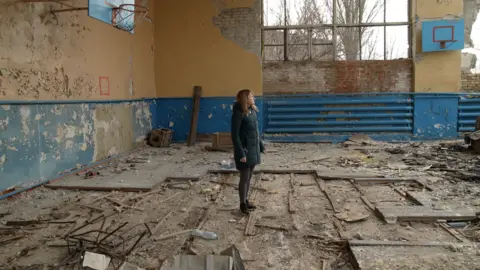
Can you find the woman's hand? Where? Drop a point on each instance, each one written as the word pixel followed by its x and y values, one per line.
pixel 243 160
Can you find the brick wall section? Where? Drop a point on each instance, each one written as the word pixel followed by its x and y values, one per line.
pixel 337 77
pixel 242 26
pixel 470 82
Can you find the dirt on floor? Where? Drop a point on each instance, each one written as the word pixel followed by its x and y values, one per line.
pixel 302 221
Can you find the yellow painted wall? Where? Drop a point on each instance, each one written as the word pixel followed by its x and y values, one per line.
pixel 190 50
pixel 59 57
pixel 436 71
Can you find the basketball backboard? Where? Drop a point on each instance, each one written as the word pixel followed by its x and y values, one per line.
pixel 108 12
pixel 443 35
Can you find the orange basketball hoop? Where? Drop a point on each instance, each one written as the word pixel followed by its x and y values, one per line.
pixel 126 16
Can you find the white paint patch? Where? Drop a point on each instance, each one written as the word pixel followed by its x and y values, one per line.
pixel 12 148
pixel 70 132
pixel 38 116
pixel 68 144
pixel 438 126
pixel 171 124
pixel 4 123
pixel 57 110
pixel 45 134
pixel 84 147
pixel 3 159
pixel 74 116
pixel 138 116
pixel 1 142
pixel 43 157
pixel 224 106
pixel 113 151
pixel 103 125
pixel 185 107
pixel 47 123
pixel 25 115
pixel 210 116
pixel 140 139
pixel 6 107
pixel 146 111
pixel 87 128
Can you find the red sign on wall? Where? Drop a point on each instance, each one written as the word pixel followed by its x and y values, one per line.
pixel 104 85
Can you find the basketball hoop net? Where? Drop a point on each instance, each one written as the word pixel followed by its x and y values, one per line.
pixel 126 16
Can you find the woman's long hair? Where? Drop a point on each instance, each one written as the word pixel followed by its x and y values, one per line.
pixel 242 99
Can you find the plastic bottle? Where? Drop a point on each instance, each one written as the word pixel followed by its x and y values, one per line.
pixel 205 235
pixel 227 164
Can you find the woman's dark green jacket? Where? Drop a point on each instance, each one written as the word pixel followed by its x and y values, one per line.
pixel 245 138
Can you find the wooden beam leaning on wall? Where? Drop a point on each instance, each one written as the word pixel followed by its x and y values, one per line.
pixel 192 136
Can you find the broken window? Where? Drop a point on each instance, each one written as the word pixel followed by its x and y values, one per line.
pixel 326 30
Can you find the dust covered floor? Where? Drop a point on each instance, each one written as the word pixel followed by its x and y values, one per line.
pixel 311 199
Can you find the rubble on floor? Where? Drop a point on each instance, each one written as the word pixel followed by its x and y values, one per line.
pixel 140 210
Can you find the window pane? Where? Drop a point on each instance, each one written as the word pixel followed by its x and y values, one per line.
pixel 298 37
pixel 298 52
pixel 370 11
pixel 273 12
pixel 273 37
pixel 322 52
pixel 397 42
pixel 348 43
pixel 372 43
pixel 273 53
pixel 397 10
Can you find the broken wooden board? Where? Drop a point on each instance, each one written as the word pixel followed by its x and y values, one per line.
pixel 355 242
pixel 459 236
pixel 264 171
pixel 250 227
pixel 222 140
pixel 382 181
pixel 336 176
pixel 368 203
pixel 104 186
pixel 414 257
pixel 392 214
pixel 420 198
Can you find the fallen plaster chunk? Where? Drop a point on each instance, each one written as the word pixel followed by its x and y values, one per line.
pixel 129 266
pixel 227 259
pixel 96 261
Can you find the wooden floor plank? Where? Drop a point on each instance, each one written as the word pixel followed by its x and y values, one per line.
pixel 392 214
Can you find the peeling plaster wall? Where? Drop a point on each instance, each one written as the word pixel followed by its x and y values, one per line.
pixel 212 43
pixel 439 71
pixel 69 56
pixel 37 142
pixel 55 57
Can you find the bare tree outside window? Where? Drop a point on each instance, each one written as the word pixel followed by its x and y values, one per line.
pixel 326 30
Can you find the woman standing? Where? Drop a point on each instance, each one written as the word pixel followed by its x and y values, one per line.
pixel 246 143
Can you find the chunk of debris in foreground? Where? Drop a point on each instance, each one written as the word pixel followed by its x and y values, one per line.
pixel 227 259
pixel 96 261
